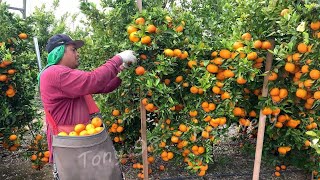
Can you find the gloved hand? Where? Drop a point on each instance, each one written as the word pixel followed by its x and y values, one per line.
pixel 127 57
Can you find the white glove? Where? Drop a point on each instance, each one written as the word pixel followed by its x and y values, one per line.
pixel 128 57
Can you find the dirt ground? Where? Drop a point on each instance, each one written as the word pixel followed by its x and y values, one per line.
pixel 228 165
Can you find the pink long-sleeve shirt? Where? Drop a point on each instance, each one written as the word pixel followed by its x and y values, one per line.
pixel 63 89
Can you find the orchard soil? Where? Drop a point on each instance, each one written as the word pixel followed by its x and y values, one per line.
pixel 229 164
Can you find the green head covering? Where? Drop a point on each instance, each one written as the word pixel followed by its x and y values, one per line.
pixel 53 58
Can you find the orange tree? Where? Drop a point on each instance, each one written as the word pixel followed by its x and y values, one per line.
pixel 17 77
pixel 201 69
pixel 20 108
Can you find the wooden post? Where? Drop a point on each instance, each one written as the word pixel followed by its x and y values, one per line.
pixel 144 140
pixel 143 125
pixel 262 119
pixel 139 4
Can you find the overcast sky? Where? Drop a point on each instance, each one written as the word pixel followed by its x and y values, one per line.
pixel 71 6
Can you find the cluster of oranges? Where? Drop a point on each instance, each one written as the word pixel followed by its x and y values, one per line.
pixel 278 169
pixel 85 130
pixel 11 143
pixel 40 156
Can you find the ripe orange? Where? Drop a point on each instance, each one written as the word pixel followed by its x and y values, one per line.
pixel 237 45
pixel 38 137
pixel 290 67
pixel 302 48
pixel 257 44
pixel 11 71
pixel 47 154
pixel 246 36
pixel 192 63
pixel 183 128
pixel 179 28
pixel 73 133
pixel 241 80
pixel 151 28
pixel 179 79
pixel 140 21
pixel 252 56
pixel 33 157
pixel 284 12
pixel 62 134
pixel 140 70
pixel 13 137
pixel 267 111
pixel 96 121
pixel 301 93
pixel 194 90
pixel 273 76
pixel 277 174
pixel 23 36
pixel 212 68
pixel 177 52
pixel 79 127
pixel 115 112
pixel 134 37
pixel 3 77
pixel 131 29
pixel 282 150
pixel 316 95
pixel 146 40
pixel 168 52
pixel 314 74
pixel 266 45
pixel 315 25
pixel 225 54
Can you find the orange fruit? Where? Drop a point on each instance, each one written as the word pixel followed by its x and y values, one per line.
pixel 237 45
pixel 314 74
pixel 34 157
pixel 151 28
pixel 140 70
pixel 79 127
pixel 73 133
pixel 282 150
pixel 177 52
pixel 302 48
pixel 38 137
pixel 301 93
pixel 115 112
pixel 241 80
pixel 273 76
pixel 257 44
pixel 131 29
pixel 179 79
pixel 225 54
pixel 252 56
pixel 13 137
pixel 212 68
pixel 23 36
pixel 140 21
pixel 3 77
pixel 146 40
pixel 62 134
pixel 283 167
pixel 290 67
pixel 168 52
pixel 194 90
pixel 246 36
pixel 267 111
pixel 179 28
pixel 284 12
pixel 133 37
pixel 96 121
pixel 277 174
pixel 315 25
pixel 266 45
pixel 89 126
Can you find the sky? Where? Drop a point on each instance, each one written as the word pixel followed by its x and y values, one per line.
pixel 71 6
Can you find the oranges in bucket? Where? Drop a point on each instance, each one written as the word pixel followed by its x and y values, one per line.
pixel 94 127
